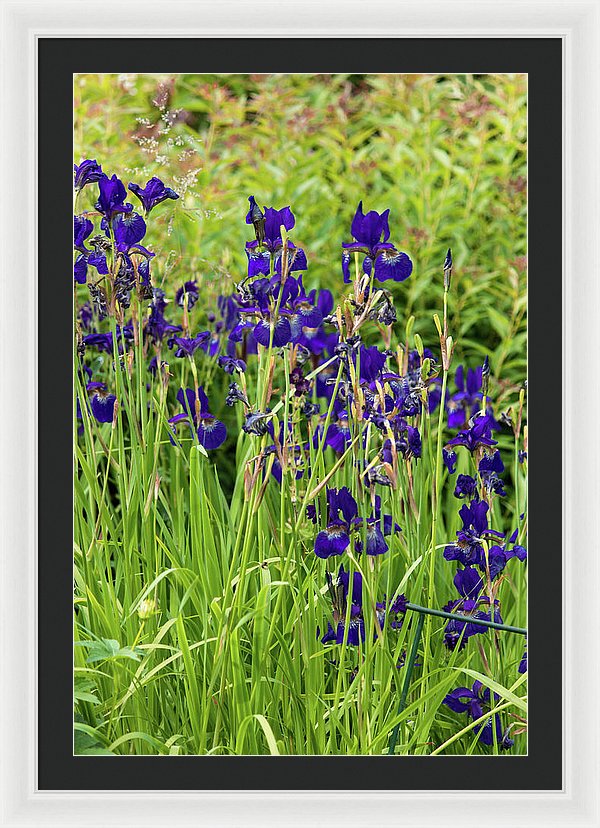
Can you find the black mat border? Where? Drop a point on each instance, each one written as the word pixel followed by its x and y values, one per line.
pixel 58 59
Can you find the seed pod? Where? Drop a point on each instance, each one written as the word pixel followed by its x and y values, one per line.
pixel 419 345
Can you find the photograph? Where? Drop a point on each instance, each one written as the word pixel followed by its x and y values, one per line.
pixel 299 411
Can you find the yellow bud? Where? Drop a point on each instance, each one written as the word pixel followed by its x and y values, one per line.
pixel 419 344
pixel 147 608
pixel 409 326
pixel 438 324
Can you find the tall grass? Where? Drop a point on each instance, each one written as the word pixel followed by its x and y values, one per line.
pixel 199 602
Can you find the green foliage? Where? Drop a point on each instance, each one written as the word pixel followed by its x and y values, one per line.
pixel 199 599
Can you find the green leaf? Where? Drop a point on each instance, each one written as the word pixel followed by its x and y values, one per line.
pixel 107 648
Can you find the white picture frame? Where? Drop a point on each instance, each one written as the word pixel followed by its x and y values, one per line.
pixel 578 24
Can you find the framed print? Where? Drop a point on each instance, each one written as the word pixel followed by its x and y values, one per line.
pixel 272 553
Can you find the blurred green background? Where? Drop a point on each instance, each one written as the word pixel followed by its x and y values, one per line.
pixel 446 154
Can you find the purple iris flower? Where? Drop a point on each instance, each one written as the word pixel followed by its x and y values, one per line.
pixel 80 267
pixel 479 434
pixel 340 592
pixel 466 486
pixel 86 316
pixel 297 311
pixel 260 253
pixel 523 663
pixel 258 423
pixel 338 434
pixel 82 228
pixel 449 460
pixel 470 609
pixel 388 525
pixel 129 229
pixel 153 193
pixel 230 364
pixel 102 402
pixel 153 366
pixel 467 400
pixel 406 397
pixel 469 583
pixel 469 546
pixel 86 173
pixel 282 330
pixel 212 346
pixel 500 555
pixel 187 346
pixel 407 442
pixel 102 341
pixel 190 291
pixel 475 702
pixel 376 543
pixel 316 340
pixel 299 381
pixel 305 309
pixel 229 310
pixel 490 466
pixel 371 363
pixel 399 604
pixel 371 233
pixel 111 198
pixel 413 441
pixel 146 291
pixel 211 432
pixel 335 538
pixel 156 325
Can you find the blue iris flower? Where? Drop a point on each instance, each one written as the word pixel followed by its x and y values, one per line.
pixel 490 466
pixel 467 400
pixel 475 702
pixel 189 293
pixel 472 606
pixel 153 193
pixel 466 486
pixel 269 250
pixel 449 460
pixel 211 432
pixel 82 229
pixel 86 173
pixel 371 233
pixel 478 434
pixel 468 548
pixel 156 325
pixel 111 198
pixel 188 346
pixel 341 512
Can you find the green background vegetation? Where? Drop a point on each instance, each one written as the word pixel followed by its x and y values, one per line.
pixel 447 155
